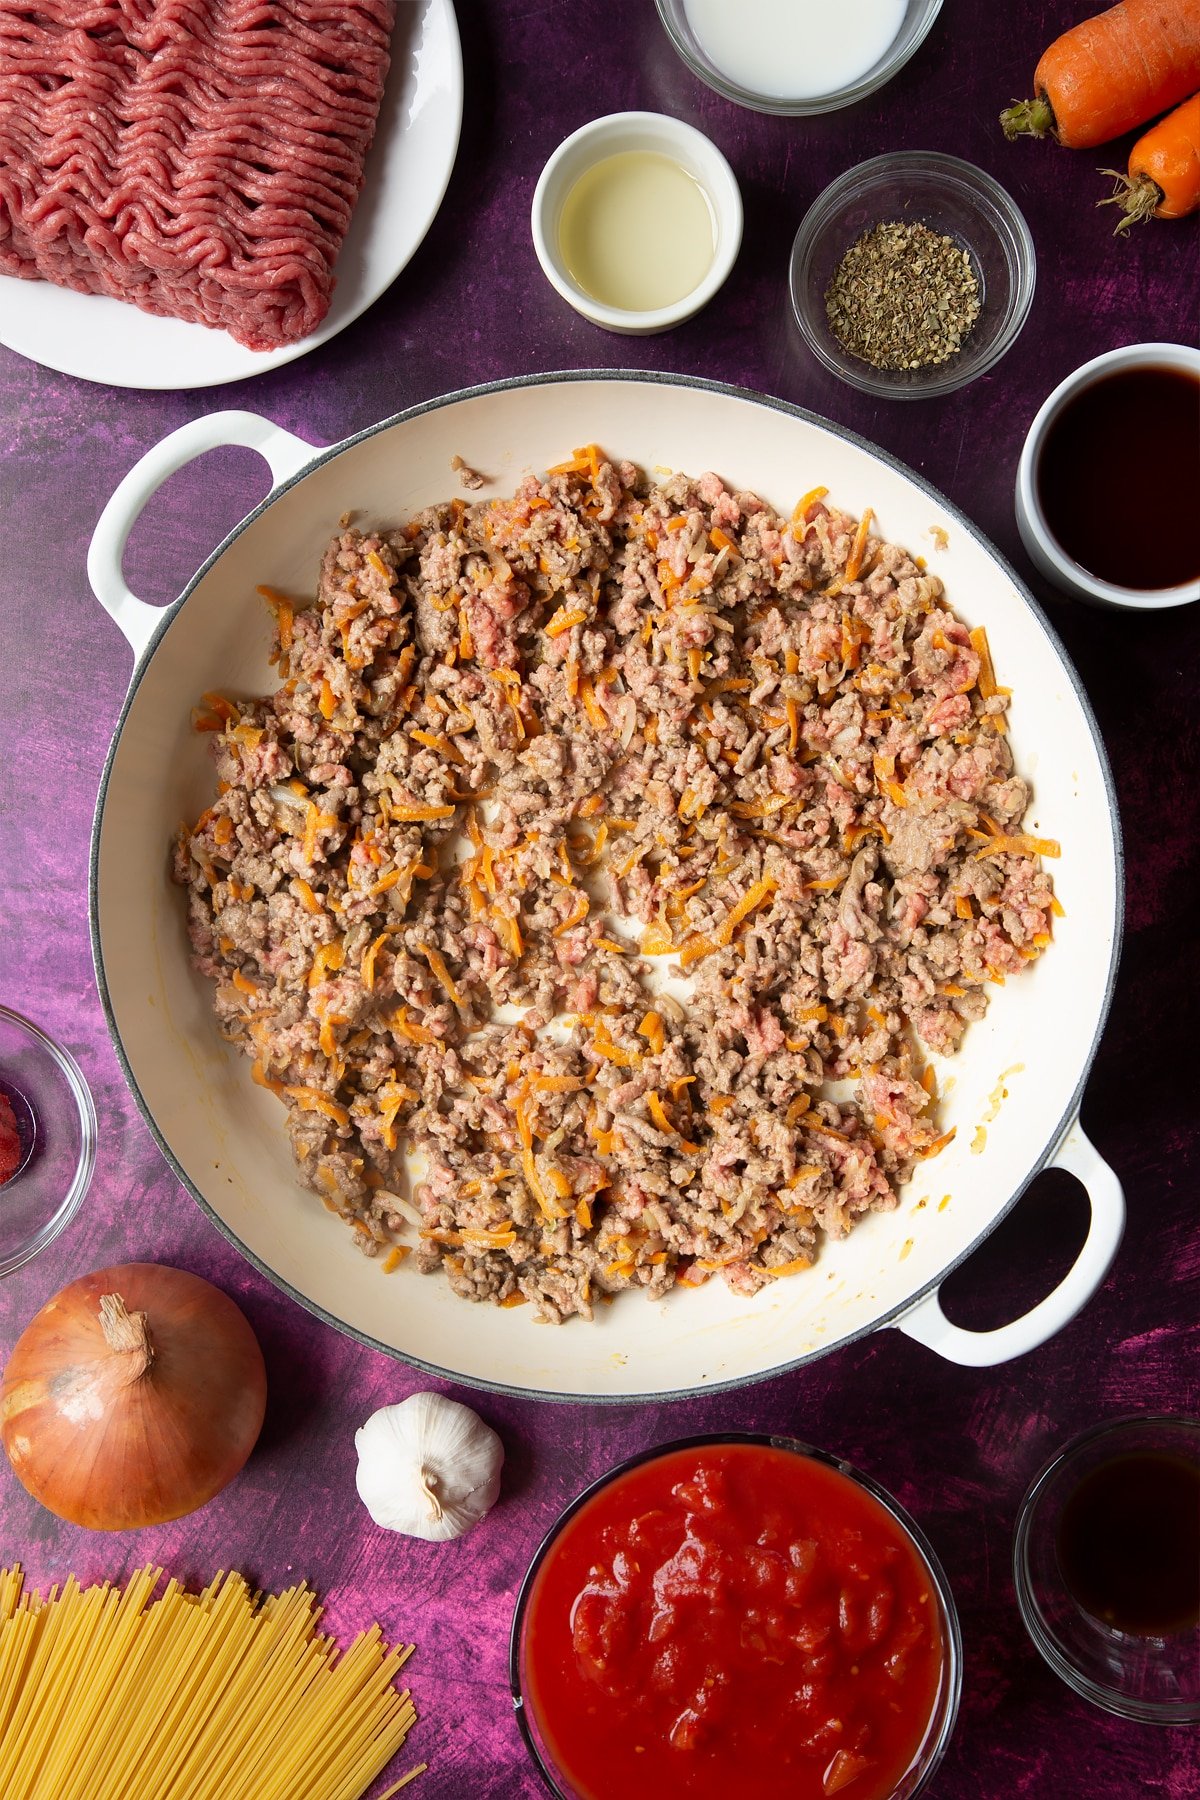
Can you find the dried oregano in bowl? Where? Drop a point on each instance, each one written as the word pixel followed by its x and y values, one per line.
pixel 911 274
pixel 903 297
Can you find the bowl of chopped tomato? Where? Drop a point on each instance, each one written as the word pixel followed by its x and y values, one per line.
pixel 735 1614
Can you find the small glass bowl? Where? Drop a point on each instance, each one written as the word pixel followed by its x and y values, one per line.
pixel 1153 1679
pixel 56 1125
pixel 953 198
pixel 919 16
pixel 941 1724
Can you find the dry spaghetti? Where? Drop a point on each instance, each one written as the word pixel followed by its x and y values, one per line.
pixel 113 1694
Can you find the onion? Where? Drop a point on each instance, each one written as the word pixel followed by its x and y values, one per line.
pixel 133 1397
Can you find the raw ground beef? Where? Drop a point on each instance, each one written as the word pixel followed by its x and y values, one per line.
pixel 199 158
pixel 525 751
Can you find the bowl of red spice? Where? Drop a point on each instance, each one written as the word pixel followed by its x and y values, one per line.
pixel 47 1139
pixel 735 1614
pixel 912 274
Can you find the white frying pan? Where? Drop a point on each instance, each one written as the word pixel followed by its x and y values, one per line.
pixel 1013 1091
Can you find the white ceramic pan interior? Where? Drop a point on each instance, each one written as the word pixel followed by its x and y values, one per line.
pixel 1013 1091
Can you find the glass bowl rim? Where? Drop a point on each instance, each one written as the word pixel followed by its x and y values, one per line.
pixel 1146 1712
pixel 848 95
pixel 951 1630
pixel 1002 216
pixel 81 1093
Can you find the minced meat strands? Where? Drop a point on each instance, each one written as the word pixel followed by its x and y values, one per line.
pixel 201 159
pixel 525 750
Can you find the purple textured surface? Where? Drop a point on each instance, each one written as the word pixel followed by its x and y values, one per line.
pixel 956 1446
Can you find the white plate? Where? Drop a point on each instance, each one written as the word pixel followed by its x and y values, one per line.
pixel 407 171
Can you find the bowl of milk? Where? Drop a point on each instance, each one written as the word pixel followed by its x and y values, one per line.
pixel 796 56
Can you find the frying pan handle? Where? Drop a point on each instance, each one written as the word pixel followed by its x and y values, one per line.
pixel 928 1324
pixel 284 454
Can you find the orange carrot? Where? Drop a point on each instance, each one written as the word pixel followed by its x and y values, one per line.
pixel 1164 170
pixel 1112 72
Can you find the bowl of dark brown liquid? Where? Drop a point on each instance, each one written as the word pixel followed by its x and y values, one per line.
pixel 1106 1562
pixel 1108 487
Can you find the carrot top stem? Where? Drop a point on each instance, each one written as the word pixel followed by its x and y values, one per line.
pixel 1138 196
pixel 1029 118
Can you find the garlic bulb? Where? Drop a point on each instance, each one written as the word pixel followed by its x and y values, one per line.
pixel 428 1467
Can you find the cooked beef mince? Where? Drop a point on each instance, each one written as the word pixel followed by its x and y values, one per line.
pixel 529 757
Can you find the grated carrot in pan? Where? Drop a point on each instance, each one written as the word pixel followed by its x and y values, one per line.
pixel 437 740
pixel 284 617
pixel 305 895
pixel 657 943
pixel 414 815
pixel 263 1080
pixel 694 949
pixel 591 706
pixel 1020 845
pixel 813 1123
pixel 554 1084
pixel 603 1045
pixel 564 619
pixel 441 973
pixel 312 1100
pixel 752 898
pixel 987 673
pixel 578 912
pixel 329 958
pixel 367 967
pixel 801 508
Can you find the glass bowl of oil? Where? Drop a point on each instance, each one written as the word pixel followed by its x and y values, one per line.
pixel 637 221
pixel 47 1139
pixel 1106 1562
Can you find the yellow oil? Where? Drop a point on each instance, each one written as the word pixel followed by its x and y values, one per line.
pixel 637 231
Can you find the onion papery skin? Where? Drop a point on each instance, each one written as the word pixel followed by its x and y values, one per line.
pixel 113 1450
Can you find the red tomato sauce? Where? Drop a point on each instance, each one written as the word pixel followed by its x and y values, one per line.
pixel 732 1619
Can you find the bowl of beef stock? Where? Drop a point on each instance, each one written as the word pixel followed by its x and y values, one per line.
pixel 1068 471
pixel 1014 1101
